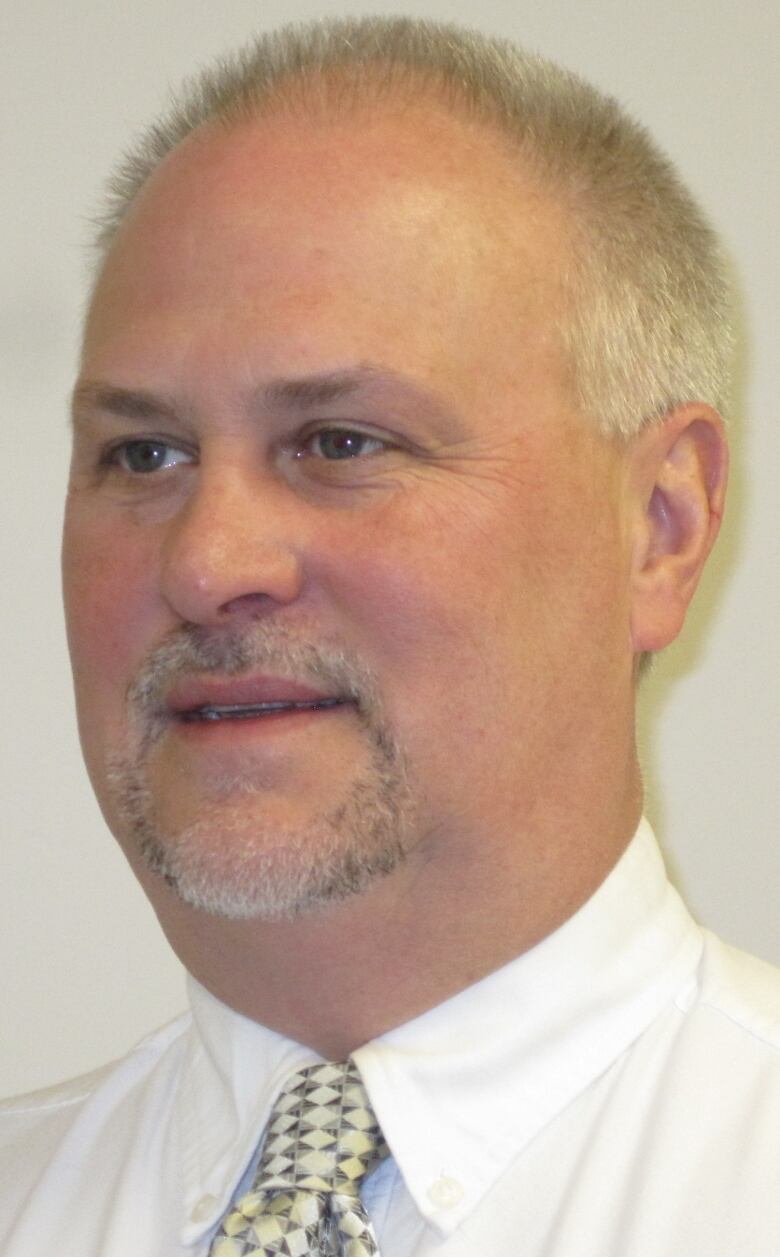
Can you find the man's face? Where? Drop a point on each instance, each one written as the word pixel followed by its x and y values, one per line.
pixel 345 570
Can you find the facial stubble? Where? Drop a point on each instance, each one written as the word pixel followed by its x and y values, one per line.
pixel 221 864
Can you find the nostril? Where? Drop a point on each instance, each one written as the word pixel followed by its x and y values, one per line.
pixel 252 604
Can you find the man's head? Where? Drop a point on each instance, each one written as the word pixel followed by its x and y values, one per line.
pixel 359 554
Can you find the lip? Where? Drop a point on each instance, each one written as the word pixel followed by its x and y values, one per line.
pixel 192 693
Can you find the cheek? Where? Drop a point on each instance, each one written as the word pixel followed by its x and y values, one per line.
pixel 481 603
pixel 107 585
pixel 433 596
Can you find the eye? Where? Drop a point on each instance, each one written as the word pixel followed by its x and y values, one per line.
pixel 334 444
pixel 144 455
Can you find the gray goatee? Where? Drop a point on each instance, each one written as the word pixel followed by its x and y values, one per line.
pixel 216 863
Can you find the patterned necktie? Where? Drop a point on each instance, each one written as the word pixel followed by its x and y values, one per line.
pixel 321 1142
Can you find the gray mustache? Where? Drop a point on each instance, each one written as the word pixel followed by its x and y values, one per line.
pixel 195 649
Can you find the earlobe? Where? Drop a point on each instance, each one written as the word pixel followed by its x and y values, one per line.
pixel 678 479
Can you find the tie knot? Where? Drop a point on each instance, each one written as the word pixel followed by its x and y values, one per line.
pixel 322 1134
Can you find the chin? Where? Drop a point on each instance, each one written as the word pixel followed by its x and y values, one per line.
pixel 238 858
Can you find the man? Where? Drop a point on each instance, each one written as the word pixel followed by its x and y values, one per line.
pixel 397 449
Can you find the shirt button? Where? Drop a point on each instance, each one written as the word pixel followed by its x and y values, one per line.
pixel 203 1208
pixel 445 1192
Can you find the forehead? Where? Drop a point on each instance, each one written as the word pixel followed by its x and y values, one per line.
pixel 406 223
pixel 386 142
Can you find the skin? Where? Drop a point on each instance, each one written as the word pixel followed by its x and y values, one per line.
pixel 493 561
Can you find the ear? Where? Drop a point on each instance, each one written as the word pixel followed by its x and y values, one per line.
pixel 677 478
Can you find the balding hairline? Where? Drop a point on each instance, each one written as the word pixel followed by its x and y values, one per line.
pixel 647 314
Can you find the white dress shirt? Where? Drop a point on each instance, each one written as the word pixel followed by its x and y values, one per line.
pixel 614 1092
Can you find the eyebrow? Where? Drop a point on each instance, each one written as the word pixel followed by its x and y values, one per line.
pixel 319 389
pixel 293 393
pixel 123 402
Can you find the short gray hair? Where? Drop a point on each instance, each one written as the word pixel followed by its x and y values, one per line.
pixel 648 321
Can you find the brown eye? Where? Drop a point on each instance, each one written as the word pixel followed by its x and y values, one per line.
pixel 343 443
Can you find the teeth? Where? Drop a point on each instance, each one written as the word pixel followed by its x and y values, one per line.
pixel 244 711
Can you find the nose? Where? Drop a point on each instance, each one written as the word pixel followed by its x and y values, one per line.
pixel 234 549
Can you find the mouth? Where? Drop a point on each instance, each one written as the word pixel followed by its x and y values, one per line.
pixel 209 700
pixel 254 711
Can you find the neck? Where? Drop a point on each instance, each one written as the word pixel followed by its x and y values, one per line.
pixel 451 914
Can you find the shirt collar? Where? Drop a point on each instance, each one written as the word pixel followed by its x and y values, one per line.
pixel 233 1071
pixel 480 1074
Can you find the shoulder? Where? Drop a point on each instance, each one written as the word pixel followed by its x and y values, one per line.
pixel 35 1127
pixel 722 1060
pixel 743 991
pixel 66 1095
pixel 63 1095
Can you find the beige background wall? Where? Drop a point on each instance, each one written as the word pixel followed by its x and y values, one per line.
pixel 85 970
